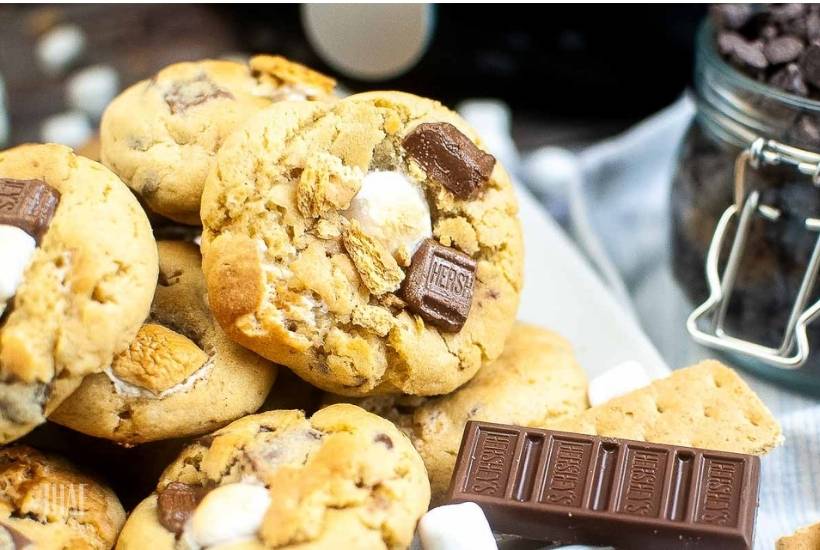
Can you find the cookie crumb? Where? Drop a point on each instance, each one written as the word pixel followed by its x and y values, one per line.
pixel 378 269
pixel 325 185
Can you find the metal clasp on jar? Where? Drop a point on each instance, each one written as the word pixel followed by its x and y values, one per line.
pixel 706 324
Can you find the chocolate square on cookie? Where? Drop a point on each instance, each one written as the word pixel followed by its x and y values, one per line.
pixel 28 204
pixel 450 158
pixel 439 285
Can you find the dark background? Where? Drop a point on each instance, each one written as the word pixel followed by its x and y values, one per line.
pixel 570 73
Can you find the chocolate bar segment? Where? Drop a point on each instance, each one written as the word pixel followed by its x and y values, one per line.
pixel 450 158
pixel 439 285
pixel 568 488
pixel 28 204
pixel 176 503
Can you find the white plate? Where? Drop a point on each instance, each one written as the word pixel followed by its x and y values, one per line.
pixel 563 293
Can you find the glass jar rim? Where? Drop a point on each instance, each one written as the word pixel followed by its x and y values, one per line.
pixel 708 53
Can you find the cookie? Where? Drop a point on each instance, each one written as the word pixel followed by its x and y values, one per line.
pixel 535 382
pixel 706 406
pixel 84 286
pixel 370 245
pixel 343 478
pixel 180 376
pixel 806 538
pixel 46 503
pixel 160 135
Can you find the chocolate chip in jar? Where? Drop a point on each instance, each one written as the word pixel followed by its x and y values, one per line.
pixel 450 158
pixel 810 63
pixel 783 49
pixel 439 285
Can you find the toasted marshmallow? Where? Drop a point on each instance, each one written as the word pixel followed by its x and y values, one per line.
pixel 392 209
pixel 227 514
pixel 456 527
pixel 16 249
pixel 617 381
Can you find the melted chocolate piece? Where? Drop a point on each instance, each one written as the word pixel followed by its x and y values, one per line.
pixel 28 204
pixel 450 158
pixel 176 503
pixel 185 94
pixel 439 285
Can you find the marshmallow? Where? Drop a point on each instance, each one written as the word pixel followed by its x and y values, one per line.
pixel 70 128
pixel 228 513
pixel 16 249
pixel 456 527
pixel 393 209
pixel 58 48
pixel 92 89
pixel 619 380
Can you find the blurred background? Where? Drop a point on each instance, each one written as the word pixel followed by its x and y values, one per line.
pixel 571 74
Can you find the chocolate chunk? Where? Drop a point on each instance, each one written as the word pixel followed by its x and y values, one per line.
pixel 385 440
pixel 176 503
pixel 811 65
pixel 568 488
pixel 747 53
pixel 185 94
pixel 18 539
pixel 790 79
pixel 28 204
pixel 731 16
pixel 450 158
pixel 782 13
pixel 439 285
pixel 783 49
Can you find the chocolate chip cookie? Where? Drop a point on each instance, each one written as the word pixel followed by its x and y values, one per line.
pixel 371 245
pixel 535 382
pixel 78 268
pixel 343 478
pixel 160 134
pixel 46 503
pixel 180 376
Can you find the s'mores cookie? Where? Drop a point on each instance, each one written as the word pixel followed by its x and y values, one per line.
pixel 160 135
pixel 180 376
pixel 46 503
pixel 343 478
pixel 371 245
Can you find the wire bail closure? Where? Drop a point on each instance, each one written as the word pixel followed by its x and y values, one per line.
pixel 706 324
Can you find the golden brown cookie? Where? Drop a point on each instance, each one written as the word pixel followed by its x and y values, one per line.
pixel 160 135
pixel 332 247
pixel 46 502
pixel 343 478
pixel 535 382
pixel 180 376
pixel 85 291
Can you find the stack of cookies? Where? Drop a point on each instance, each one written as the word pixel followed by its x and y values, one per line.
pixel 369 245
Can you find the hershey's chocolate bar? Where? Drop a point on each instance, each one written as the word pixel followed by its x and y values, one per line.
pixel 28 204
pixel 578 489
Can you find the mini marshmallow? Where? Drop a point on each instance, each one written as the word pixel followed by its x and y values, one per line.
pixel 393 209
pixel 92 89
pixel 619 380
pixel 70 128
pixel 16 249
pixel 228 513
pixel 456 527
pixel 59 47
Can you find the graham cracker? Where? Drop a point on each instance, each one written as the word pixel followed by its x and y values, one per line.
pixel 805 538
pixel 706 406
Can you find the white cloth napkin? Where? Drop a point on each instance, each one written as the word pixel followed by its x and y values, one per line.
pixel 615 195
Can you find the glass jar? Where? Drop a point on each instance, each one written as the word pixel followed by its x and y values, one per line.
pixel 728 158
